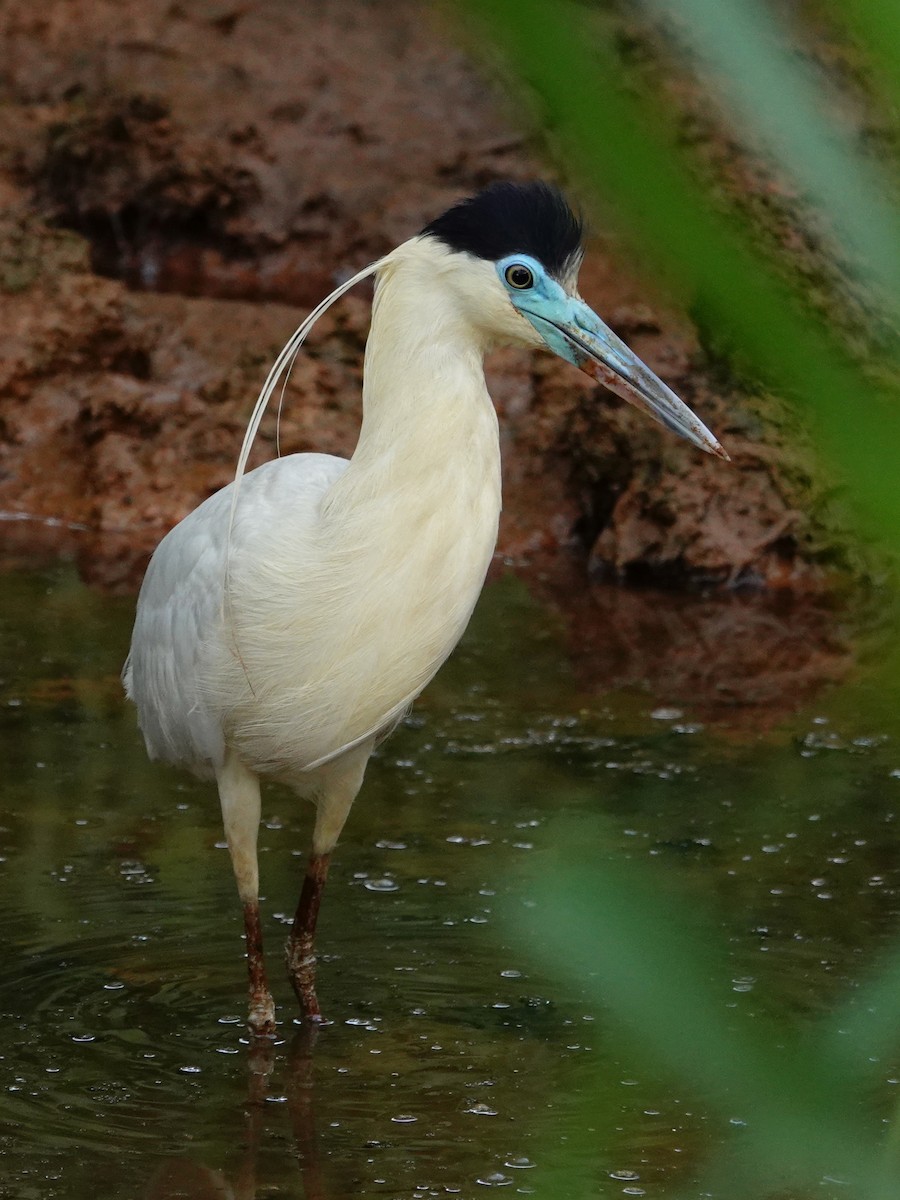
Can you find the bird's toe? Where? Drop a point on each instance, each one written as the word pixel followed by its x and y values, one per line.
pixel 261 1017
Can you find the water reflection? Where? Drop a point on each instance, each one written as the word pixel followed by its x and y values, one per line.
pixel 268 1066
pixel 752 658
pixel 190 1180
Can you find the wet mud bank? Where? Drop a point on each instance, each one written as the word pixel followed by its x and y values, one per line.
pixel 179 183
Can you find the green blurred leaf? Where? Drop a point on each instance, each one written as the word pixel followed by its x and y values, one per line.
pixel 751 59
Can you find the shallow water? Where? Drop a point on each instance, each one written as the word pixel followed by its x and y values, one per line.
pixel 468 1050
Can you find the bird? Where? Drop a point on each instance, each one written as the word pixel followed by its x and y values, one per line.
pixel 285 626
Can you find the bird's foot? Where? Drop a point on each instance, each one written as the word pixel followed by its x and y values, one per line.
pixel 301 965
pixel 261 1017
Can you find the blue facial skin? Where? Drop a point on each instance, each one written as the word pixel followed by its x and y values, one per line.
pixel 547 306
pixel 574 331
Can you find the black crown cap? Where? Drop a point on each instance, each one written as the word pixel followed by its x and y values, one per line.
pixel 510 218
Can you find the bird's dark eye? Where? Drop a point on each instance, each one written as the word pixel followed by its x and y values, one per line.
pixel 519 276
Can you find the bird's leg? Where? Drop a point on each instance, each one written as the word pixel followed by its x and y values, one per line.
pixel 261 1016
pixel 301 959
pixel 239 794
pixel 339 784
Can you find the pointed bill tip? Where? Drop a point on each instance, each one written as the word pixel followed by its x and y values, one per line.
pixel 664 406
pixel 697 433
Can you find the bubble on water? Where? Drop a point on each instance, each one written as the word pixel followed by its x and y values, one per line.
pixel 404 1119
pixel 494 1179
pixel 664 713
pixel 385 884
pixel 519 1163
pixel 811 743
pixel 481 1110
pixel 134 871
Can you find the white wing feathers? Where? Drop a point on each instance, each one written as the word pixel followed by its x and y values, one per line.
pixel 179 630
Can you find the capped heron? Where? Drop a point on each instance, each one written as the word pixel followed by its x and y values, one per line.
pixel 284 626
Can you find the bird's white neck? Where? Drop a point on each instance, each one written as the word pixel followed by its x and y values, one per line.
pixel 406 534
pixel 427 415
